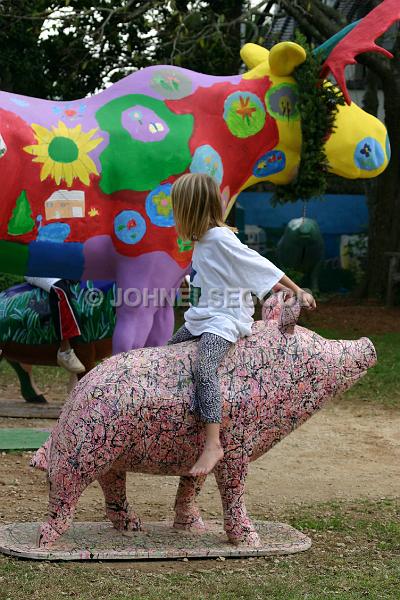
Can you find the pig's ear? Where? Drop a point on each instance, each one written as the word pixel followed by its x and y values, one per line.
pixel 285 312
pixel 271 309
pixel 290 312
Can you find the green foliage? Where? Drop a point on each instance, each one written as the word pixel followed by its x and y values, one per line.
pixel 7 280
pixel 202 36
pixel 318 107
pixel 92 43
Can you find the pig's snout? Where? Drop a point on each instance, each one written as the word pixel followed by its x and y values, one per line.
pixel 360 355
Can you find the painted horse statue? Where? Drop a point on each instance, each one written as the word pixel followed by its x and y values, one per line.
pixel 86 184
pixel 131 413
pixel 27 334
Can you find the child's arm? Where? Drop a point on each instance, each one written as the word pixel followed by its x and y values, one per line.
pixel 306 299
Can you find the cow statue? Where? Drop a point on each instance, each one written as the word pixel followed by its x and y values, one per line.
pixel 131 413
pixel 86 184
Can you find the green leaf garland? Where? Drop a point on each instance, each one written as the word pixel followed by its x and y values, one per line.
pixel 318 106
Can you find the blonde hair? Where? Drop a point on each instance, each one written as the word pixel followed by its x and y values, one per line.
pixel 197 205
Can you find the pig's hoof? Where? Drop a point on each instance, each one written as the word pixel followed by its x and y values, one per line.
pixel 46 536
pixel 249 538
pixel 194 524
pixel 127 522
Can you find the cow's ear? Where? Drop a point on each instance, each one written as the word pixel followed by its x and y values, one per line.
pixel 252 55
pixel 285 57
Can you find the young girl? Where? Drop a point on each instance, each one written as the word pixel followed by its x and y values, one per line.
pixel 225 273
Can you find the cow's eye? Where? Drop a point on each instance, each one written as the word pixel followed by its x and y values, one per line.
pixel 282 102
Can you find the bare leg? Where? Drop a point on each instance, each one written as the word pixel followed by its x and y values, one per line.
pixel 212 452
pixel 65 345
pixel 187 515
pixel 113 484
pixel 231 479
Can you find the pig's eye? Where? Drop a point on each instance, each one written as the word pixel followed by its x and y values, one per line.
pixel 282 102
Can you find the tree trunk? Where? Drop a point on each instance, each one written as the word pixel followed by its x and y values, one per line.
pixel 384 198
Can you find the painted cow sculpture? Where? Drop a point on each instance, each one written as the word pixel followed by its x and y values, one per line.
pixel 131 413
pixel 85 185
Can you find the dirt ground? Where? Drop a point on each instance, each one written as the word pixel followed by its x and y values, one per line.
pixel 347 451
pixel 344 452
pixel 351 316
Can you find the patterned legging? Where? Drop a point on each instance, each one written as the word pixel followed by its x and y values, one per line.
pixel 211 350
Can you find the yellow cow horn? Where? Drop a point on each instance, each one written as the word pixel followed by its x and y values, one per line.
pixel 284 57
pixel 253 54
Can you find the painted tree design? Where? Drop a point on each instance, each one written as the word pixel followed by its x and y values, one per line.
pixel 21 220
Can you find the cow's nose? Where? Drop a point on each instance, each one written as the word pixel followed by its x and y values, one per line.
pixel 369 154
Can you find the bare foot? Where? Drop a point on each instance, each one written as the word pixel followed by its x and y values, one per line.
pixel 207 460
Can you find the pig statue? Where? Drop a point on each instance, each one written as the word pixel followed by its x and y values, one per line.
pixel 131 413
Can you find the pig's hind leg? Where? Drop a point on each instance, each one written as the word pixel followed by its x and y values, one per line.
pixel 187 515
pixel 113 484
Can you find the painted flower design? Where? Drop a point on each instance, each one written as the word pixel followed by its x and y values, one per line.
pixel 245 110
pixel 244 114
pixel 64 153
pixel 70 111
pixel 366 150
pixel 283 102
pixel 163 204
pixel 159 206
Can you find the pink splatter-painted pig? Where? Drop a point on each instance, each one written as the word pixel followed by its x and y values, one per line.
pixel 131 413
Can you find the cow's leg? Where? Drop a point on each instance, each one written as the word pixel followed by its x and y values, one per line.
pixel 113 484
pixel 29 390
pixel 63 497
pixel 231 478
pixel 162 328
pixel 133 327
pixel 187 515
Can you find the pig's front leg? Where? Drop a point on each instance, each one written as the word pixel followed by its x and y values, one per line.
pixel 187 515
pixel 231 477
pixel 113 484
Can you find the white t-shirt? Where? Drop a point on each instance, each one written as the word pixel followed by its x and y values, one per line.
pixel 227 272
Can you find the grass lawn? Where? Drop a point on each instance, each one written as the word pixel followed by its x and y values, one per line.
pixel 355 555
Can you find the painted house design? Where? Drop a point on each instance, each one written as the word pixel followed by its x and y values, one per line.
pixel 65 204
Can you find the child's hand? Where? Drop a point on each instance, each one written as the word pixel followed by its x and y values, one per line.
pixel 288 293
pixel 307 300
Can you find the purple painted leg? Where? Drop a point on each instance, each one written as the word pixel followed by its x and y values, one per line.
pixel 187 515
pixel 163 327
pixel 231 479
pixel 132 328
pixel 113 484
